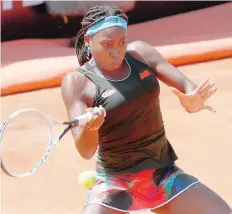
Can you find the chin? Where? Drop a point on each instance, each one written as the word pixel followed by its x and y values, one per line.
pixel 115 66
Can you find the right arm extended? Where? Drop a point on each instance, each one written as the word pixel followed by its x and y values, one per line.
pixel 72 89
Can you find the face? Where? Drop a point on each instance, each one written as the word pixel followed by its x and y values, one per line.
pixel 109 47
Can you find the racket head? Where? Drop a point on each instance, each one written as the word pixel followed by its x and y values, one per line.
pixel 49 144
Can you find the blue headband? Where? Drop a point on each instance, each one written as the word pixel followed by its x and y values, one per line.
pixel 110 21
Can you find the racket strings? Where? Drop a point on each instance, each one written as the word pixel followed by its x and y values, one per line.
pixel 26 139
pixel 35 132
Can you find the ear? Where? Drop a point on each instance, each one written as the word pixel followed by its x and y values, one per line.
pixel 86 39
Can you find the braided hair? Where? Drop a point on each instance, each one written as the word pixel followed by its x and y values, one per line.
pixel 94 15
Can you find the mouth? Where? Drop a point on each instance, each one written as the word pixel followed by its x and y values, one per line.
pixel 115 65
pixel 116 62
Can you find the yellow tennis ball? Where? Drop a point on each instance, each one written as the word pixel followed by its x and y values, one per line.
pixel 87 179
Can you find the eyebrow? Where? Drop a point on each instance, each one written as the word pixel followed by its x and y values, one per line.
pixel 106 39
pixel 123 38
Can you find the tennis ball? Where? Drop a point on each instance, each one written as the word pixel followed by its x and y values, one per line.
pixel 87 179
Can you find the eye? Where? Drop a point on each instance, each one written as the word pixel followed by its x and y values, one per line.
pixel 122 43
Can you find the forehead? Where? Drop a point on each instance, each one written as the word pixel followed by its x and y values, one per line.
pixel 112 33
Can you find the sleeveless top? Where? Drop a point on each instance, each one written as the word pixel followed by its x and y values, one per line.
pixel 132 138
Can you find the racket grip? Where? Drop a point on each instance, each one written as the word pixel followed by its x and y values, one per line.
pixel 84 118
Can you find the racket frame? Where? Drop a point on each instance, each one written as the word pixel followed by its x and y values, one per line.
pixel 53 140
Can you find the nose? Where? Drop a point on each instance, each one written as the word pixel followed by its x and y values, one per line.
pixel 115 53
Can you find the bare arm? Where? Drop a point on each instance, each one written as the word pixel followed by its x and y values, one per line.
pixel 191 96
pixel 72 88
pixel 164 71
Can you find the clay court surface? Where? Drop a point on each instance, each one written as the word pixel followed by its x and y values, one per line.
pixel 203 142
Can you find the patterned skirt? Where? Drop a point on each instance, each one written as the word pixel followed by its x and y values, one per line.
pixel 144 190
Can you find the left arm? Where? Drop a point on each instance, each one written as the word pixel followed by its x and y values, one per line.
pixel 191 96
pixel 172 76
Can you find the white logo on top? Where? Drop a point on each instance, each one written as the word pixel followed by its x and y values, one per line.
pixel 109 93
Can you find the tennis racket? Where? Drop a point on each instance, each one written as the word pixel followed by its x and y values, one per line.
pixel 13 126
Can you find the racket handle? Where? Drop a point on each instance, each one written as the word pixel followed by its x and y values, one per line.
pixel 84 118
pixel 79 121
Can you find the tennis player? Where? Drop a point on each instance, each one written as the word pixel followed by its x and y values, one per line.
pixel 135 166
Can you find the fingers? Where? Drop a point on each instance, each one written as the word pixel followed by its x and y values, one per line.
pixel 97 118
pixel 209 93
pixel 103 110
pixel 209 108
pixel 206 89
pixel 91 110
pixel 202 85
pixel 209 87
pixel 176 92
pixel 98 111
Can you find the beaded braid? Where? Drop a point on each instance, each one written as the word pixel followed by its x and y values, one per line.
pixel 94 15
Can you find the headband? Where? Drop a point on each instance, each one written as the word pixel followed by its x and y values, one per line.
pixel 111 21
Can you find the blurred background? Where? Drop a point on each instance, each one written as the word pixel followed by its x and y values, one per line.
pixel 45 19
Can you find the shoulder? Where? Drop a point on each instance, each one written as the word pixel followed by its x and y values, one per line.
pixel 74 79
pixel 138 45
pixel 140 48
pixel 73 84
pixel 144 52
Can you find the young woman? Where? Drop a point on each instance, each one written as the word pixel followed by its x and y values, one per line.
pixel 136 163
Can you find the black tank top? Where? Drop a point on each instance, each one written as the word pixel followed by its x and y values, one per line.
pixel 132 137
